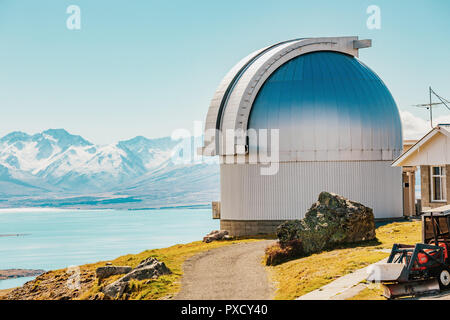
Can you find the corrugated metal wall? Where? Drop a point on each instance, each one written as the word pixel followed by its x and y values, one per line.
pixel 248 195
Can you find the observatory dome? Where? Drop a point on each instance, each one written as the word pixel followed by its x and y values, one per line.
pixel 328 106
pixel 338 130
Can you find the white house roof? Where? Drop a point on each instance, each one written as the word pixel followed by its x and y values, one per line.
pixel 431 149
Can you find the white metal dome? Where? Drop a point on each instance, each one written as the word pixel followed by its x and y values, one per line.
pixel 326 103
pixel 339 130
pixel 328 106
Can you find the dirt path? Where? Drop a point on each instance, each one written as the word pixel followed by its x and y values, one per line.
pixel 231 272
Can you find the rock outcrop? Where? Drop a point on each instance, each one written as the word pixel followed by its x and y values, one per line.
pixel 331 221
pixel 217 235
pixel 110 270
pixel 149 268
pixel 54 285
pixel 115 289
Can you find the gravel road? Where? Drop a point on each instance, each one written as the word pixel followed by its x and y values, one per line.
pixel 233 272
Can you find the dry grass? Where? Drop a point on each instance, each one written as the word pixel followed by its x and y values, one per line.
pixel 370 293
pixel 51 285
pixel 277 253
pixel 4 292
pixel 165 286
pixel 298 277
pixel 400 232
pixel 293 278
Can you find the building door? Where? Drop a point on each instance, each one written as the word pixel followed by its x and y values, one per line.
pixel 409 199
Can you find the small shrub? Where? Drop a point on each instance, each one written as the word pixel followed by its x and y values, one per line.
pixel 288 231
pixel 283 251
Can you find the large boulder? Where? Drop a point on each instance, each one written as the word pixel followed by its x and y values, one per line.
pixel 149 268
pixel 115 289
pixel 331 221
pixel 110 270
pixel 217 235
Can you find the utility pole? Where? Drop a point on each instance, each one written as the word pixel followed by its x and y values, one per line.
pixel 432 104
pixel 431 109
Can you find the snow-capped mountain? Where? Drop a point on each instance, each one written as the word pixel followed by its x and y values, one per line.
pixel 43 168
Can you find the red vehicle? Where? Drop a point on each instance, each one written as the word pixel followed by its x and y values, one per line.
pixel 420 268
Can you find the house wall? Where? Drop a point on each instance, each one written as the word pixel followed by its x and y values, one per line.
pixel 425 188
pixel 435 151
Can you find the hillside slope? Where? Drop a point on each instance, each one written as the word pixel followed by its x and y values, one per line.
pixel 53 285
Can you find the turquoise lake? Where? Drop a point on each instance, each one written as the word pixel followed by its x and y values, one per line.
pixel 55 239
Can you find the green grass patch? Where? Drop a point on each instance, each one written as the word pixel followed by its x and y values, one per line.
pixel 298 277
pixel 372 292
pixel 165 286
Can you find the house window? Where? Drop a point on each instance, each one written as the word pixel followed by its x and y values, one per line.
pixel 438 185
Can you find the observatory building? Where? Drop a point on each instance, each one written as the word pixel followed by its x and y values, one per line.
pixel 307 117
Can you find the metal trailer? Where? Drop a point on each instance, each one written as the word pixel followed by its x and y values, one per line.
pixel 421 268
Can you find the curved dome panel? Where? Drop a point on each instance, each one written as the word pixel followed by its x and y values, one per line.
pixel 230 107
pixel 328 106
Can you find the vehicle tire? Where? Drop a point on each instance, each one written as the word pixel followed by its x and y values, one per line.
pixel 444 279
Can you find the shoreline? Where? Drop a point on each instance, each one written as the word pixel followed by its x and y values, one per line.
pixel 7 274
pixel 52 284
pixel 142 224
pixel 61 209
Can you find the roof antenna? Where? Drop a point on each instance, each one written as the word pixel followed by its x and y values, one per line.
pixel 431 105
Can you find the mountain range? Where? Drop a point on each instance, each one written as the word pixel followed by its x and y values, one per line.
pixel 57 169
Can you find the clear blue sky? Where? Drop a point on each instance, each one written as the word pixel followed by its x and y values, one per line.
pixel 149 67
